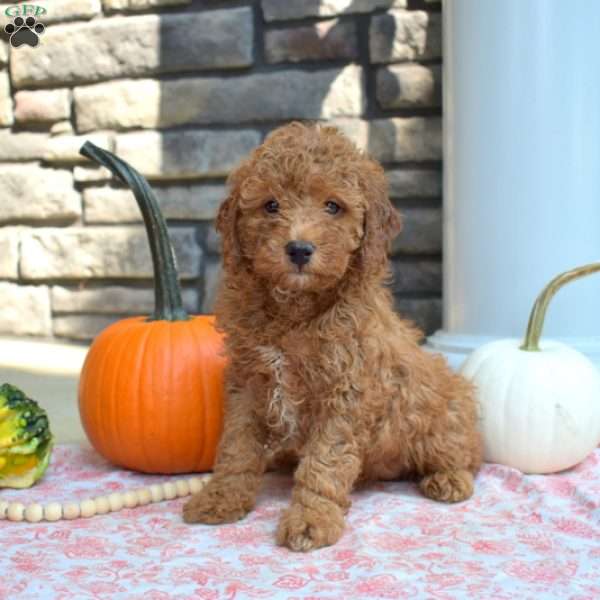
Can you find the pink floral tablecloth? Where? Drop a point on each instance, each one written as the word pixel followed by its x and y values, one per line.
pixel 520 537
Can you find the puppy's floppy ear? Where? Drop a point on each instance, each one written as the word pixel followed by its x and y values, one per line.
pixel 226 222
pixel 382 221
pixel 226 225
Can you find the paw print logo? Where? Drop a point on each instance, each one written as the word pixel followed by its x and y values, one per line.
pixel 24 31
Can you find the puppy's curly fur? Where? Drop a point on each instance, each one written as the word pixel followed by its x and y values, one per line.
pixel 322 373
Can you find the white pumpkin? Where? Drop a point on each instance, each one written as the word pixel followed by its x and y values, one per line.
pixel 540 411
pixel 539 402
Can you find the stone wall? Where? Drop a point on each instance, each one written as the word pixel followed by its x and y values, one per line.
pixel 183 90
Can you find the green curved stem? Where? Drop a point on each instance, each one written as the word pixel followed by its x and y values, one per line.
pixel 531 343
pixel 168 305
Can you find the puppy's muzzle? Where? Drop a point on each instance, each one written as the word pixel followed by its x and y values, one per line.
pixel 299 252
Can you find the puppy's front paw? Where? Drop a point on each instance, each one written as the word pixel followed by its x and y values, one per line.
pixel 302 528
pixel 222 500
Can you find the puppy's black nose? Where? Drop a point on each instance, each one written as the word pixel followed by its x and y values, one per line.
pixel 299 252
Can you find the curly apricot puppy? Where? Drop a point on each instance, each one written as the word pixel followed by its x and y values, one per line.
pixel 321 368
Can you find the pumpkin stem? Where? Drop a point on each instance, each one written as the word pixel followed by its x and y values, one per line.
pixel 168 305
pixel 531 343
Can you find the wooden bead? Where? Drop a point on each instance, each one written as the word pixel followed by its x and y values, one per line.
pixel 102 505
pixel 144 496
pixel 115 501
pixel 130 499
pixel 170 490
pixel 53 511
pixel 87 508
pixel 182 487
pixel 34 513
pixel 15 511
pixel 196 484
pixel 156 491
pixel 71 510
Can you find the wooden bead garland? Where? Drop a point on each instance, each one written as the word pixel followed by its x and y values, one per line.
pixel 54 511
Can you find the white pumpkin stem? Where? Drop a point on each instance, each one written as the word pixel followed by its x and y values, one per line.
pixel 531 343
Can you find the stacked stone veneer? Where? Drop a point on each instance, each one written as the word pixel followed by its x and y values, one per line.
pixel 183 90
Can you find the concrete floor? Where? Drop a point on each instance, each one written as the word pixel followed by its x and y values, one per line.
pixel 48 372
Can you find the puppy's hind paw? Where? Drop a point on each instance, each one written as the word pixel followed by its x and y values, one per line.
pixel 448 486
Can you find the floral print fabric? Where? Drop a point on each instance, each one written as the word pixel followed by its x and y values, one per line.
pixel 524 537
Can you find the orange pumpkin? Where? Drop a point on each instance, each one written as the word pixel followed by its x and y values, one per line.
pixel 151 388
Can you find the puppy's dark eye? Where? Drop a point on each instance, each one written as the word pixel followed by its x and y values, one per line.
pixel 272 206
pixel 333 208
